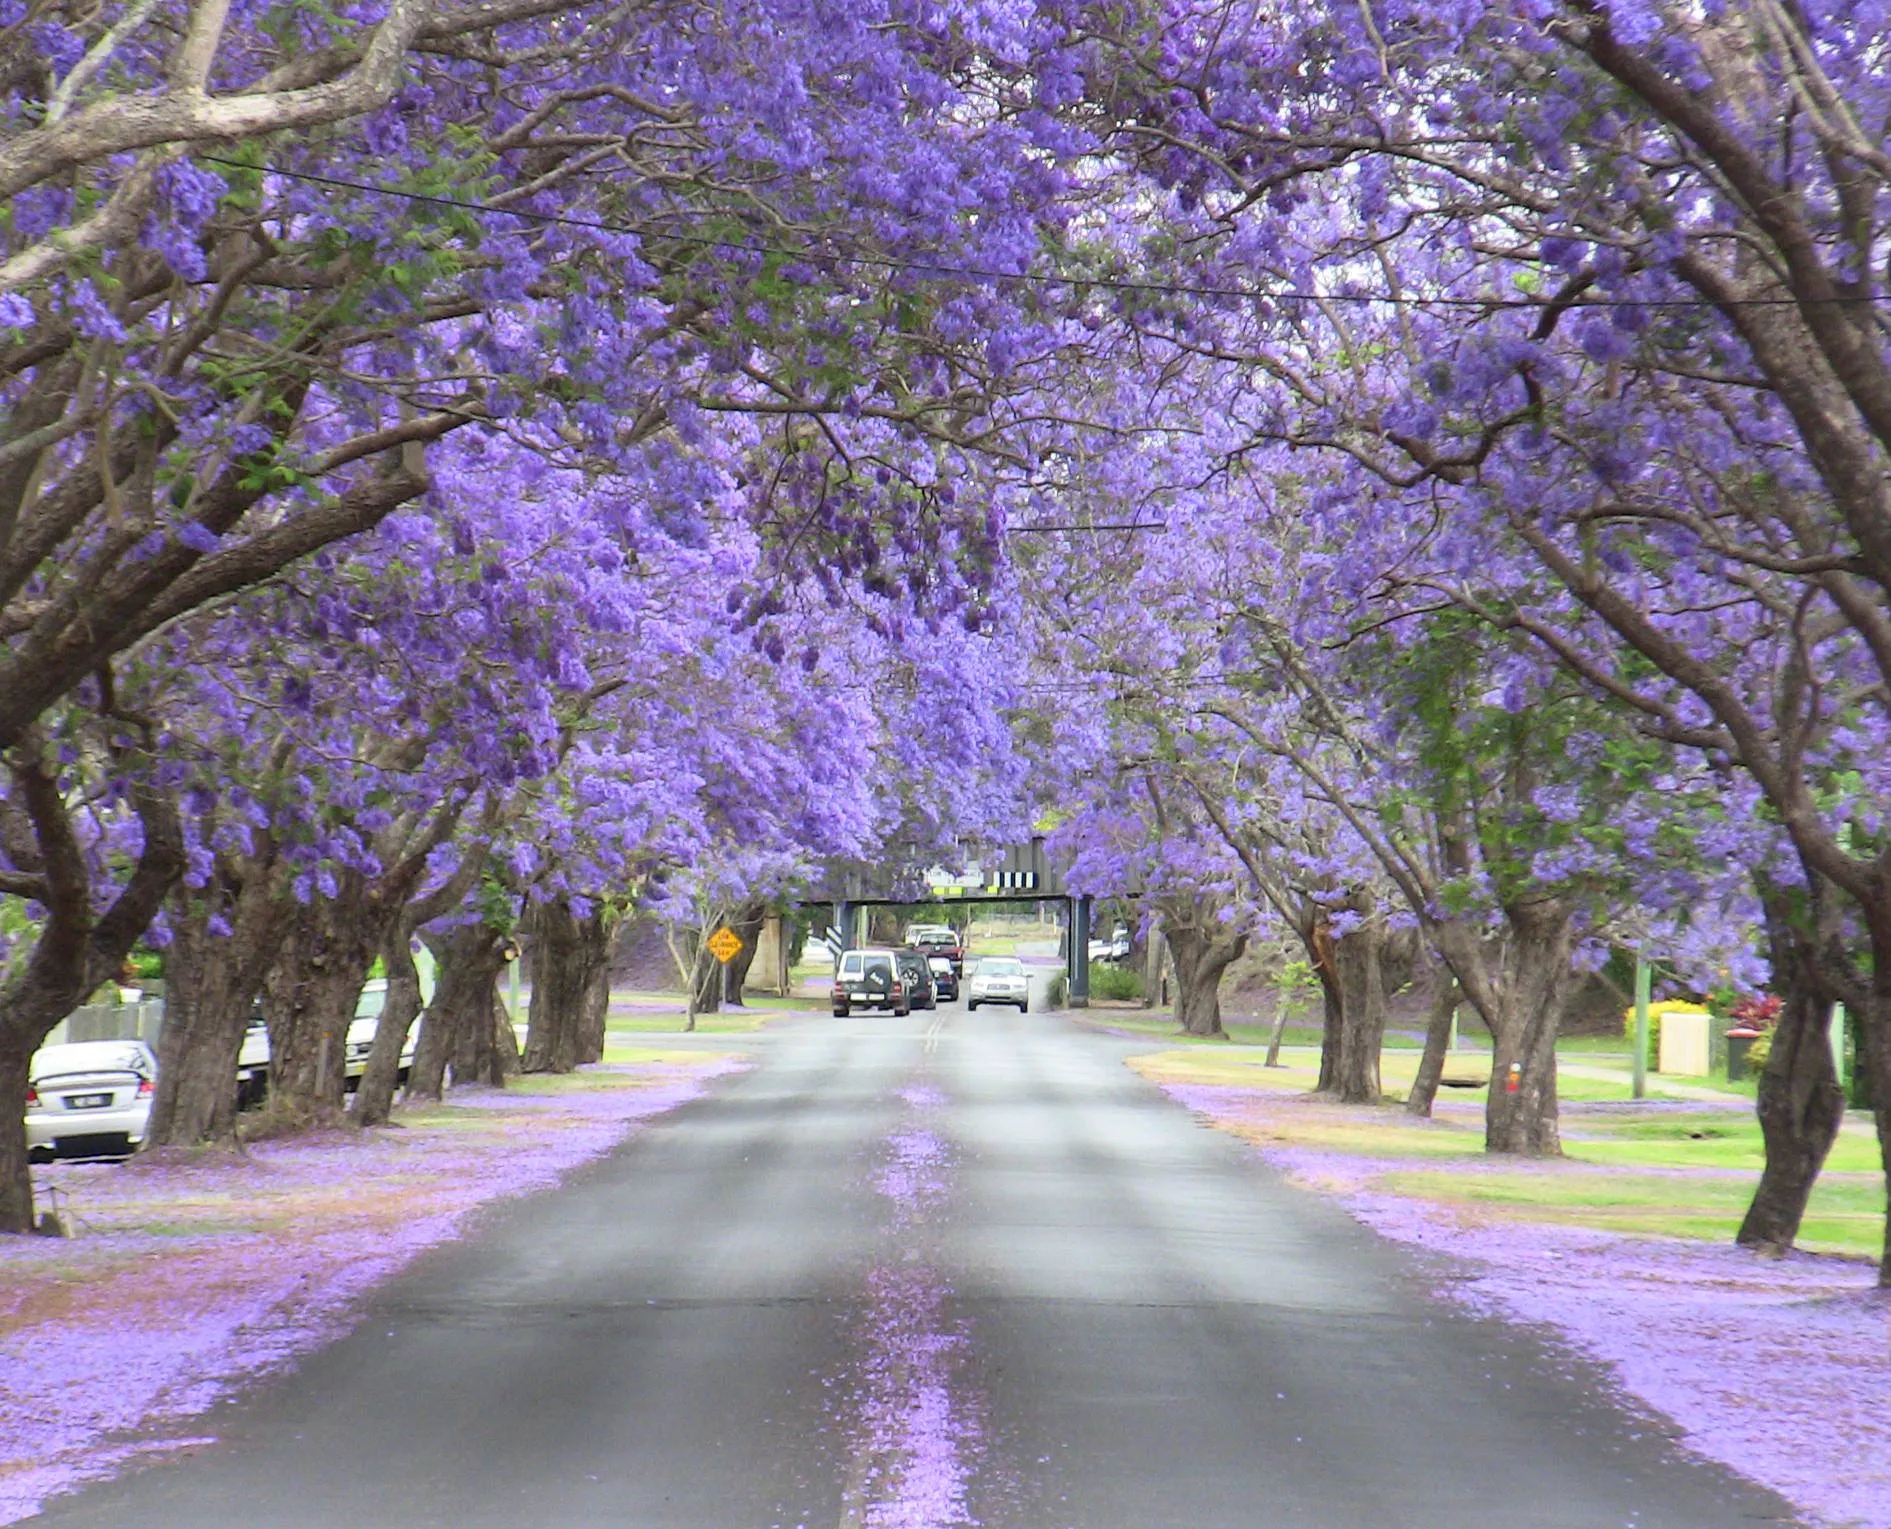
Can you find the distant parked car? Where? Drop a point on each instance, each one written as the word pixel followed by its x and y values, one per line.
pixel 999 979
pixel 252 1064
pixel 89 1099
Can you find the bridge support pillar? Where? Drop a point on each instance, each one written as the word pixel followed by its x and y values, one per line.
pixel 1079 953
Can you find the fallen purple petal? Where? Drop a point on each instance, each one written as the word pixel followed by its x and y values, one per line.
pixel 914 1435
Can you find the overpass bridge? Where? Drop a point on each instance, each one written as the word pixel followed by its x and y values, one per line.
pixel 1019 873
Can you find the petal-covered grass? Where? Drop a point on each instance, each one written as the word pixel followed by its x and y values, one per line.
pixel 1780 1369
pixel 1585 1074
pixel 190 1274
pixel 1698 1160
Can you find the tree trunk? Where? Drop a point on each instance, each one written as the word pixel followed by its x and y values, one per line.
pixel 1320 952
pixel 1801 1106
pixel 1357 954
pixel 747 923
pixel 1522 1003
pixel 1520 1118
pixel 1281 1015
pixel 1200 960
pixel 706 982
pixel 1519 985
pixel 1155 955
pixel 599 936
pixel 469 959
pixel 311 993
pixel 1801 1103
pixel 1431 1064
pixel 560 977
pixel 16 1175
pixel 503 1061
pixel 1873 1019
pixel 374 1098
pixel 210 987
pixel 470 1057
pixel 78 947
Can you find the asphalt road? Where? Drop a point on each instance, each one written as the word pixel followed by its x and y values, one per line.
pixel 911 1273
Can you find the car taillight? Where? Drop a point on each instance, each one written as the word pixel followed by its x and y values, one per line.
pixel 32 1097
pixel 146 1088
pixel 898 991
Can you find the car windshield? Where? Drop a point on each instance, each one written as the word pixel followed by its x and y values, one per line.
pixel 1000 966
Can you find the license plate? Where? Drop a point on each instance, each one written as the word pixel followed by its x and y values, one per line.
pixel 87 1101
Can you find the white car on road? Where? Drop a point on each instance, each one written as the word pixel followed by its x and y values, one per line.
pixel 89 1098
pixel 998 979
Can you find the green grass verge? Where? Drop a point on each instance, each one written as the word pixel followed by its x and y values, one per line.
pixel 1846 1214
pixel 724 1022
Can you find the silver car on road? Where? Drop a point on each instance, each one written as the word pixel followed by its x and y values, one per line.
pixel 999 979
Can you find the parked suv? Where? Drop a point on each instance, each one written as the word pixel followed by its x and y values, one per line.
pixel 871 979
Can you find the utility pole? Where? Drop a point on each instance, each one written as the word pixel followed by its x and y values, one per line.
pixel 1643 980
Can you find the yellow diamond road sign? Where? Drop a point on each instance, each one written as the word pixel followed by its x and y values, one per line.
pixel 725 945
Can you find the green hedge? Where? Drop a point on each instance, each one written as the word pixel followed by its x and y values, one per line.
pixel 1114 981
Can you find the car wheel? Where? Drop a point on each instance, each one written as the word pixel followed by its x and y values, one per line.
pixel 840 1012
pixel 971 1003
pixel 900 1011
pixel 1024 1006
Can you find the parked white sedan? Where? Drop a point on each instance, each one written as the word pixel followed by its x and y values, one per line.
pixel 89 1098
pixel 999 979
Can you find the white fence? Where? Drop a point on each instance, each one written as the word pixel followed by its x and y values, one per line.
pixel 111 1022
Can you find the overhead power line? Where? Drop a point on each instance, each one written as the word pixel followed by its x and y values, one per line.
pixel 1098 525
pixel 940 268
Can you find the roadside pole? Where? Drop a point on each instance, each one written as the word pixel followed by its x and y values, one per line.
pixel 1078 965
pixel 1640 1062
